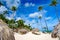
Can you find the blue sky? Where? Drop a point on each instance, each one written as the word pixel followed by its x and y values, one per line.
pixel 27 10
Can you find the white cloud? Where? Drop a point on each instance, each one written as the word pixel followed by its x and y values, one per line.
pixel 13 14
pixel 27 22
pixel 30 22
pixel 32 4
pixel 48 18
pixel 8 17
pixel 43 11
pixel 11 3
pixel 40 15
pixel 2 8
pixel 36 14
pixel 29 4
pixel 33 23
pixel 16 3
pixel 18 18
pixel 33 15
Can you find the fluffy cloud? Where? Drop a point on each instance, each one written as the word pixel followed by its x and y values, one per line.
pixel 11 3
pixel 36 14
pixel 32 4
pixel 48 18
pixel 8 17
pixel 18 18
pixel 29 4
pixel 33 23
pixel 13 14
pixel 43 11
pixel 30 22
pixel 2 8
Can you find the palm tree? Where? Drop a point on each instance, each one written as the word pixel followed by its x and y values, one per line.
pixel 40 8
pixel 5 12
pixel 1 4
pixel 28 27
pixel 2 17
pixel 13 9
pixel 20 23
pixel 44 29
pixel 40 17
pixel 54 3
pixel 11 23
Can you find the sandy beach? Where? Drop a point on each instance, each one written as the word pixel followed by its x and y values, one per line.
pixel 30 36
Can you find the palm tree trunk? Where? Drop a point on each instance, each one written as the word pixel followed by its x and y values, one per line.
pixel 13 18
pixel 46 23
pixel 41 25
pixel 13 14
pixel 57 15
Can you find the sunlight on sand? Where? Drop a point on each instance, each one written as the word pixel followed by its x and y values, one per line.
pixel 30 36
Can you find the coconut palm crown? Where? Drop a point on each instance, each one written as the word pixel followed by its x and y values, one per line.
pixel 13 8
pixel 53 3
pixel 40 8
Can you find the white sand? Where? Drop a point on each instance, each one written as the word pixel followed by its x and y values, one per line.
pixel 30 36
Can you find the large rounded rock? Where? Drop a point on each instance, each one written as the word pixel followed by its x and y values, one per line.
pixel 22 31
pixel 5 32
pixel 36 31
pixel 56 32
pixel 15 30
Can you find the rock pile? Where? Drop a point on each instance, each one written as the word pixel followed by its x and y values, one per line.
pixel 5 32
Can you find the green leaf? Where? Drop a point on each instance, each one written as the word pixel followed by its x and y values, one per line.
pixel 53 3
pixel 40 8
pixel 13 8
